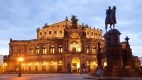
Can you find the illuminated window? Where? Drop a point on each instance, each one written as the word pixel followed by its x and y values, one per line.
pixel 93 50
pixel 60 62
pixel 51 62
pixel 44 50
pixel 105 64
pixel 88 63
pixel 37 50
pixel 87 49
pixel 52 50
pixel 75 47
pixel 60 49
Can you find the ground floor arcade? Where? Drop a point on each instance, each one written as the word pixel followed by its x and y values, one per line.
pixel 66 64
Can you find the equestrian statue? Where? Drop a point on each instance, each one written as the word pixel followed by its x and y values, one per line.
pixel 110 17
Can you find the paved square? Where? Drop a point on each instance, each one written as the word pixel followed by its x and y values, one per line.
pixel 44 77
pixel 61 77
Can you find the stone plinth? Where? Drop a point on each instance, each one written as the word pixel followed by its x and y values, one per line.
pixel 113 53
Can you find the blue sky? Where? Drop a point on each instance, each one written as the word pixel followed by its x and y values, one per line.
pixel 19 19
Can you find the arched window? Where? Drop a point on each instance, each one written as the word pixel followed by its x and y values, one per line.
pixel 44 50
pixel 52 49
pixel 37 50
pixel 75 47
pixel 60 49
pixel 75 42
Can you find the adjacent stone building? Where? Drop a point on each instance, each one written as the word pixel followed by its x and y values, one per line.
pixel 64 46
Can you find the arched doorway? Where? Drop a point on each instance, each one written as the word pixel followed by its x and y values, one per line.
pixel 75 67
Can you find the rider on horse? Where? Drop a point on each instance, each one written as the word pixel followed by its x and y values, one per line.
pixel 110 17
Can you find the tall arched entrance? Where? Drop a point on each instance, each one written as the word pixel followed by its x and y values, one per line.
pixel 75 67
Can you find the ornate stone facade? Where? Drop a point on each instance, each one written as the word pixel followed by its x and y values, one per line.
pixel 65 46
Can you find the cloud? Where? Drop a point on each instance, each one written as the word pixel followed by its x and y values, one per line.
pixel 4 47
pixel 20 18
pixel 4 51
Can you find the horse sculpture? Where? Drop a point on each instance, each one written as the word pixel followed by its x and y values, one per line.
pixel 110 17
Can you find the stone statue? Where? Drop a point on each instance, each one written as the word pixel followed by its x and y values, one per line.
pixel 66 18
pixel 110 17
pixel 114 16
pixel 127 40
pixel 74 21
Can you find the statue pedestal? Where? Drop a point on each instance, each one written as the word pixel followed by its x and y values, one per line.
pixel 113 53
pixel 116 60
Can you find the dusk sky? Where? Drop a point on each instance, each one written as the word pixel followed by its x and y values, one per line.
pixel 19 19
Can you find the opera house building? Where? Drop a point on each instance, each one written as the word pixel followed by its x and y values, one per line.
pixel 65 46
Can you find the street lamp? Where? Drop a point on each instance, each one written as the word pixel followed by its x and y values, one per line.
pixel 20 60
pixel 105 64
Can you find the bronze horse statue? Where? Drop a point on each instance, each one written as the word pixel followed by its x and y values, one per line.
pixel 110 17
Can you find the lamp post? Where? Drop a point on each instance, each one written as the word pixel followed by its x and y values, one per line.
pixel 99 56
pixel 20 60
pixel 99 71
